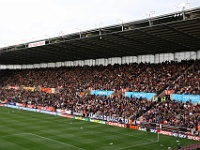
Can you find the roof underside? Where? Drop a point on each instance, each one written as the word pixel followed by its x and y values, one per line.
pixel 170 33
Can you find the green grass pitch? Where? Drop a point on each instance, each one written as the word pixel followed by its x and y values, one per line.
pixel 24 130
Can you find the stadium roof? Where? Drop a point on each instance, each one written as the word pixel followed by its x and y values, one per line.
pixel 175 32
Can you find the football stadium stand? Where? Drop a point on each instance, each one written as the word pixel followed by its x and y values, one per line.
pixel 140 74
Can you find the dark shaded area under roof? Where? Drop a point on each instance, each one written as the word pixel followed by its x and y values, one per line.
pixel 175 32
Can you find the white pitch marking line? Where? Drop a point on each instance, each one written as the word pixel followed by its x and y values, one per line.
pixel 55 141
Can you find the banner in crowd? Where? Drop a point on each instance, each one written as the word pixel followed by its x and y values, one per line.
pixel 101 92
pixel 148 96
pixel 29 88
pixel 13 87
pixel 47 90
pixel 186 97
pixel 43 89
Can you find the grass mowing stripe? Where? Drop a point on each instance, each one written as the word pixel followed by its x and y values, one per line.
pixel 12 135
pixel 131 146
pixel 56 141
pixel 133 136
pixel 19 134
pixel 7 145
pixel 136 145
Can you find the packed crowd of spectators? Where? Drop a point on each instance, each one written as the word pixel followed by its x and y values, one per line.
pixel 174 113
pixel 70 82
pixel 189 81
pixel 143 77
